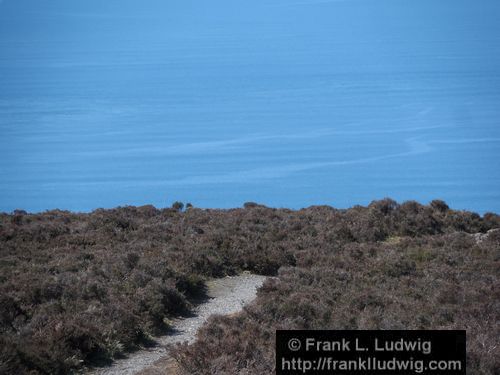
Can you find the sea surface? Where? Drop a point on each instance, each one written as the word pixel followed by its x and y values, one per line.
pixel 288 103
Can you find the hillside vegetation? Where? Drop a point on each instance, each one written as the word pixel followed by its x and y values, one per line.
pixel 77 289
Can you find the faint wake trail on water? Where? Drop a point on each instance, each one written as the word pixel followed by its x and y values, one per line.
pixel 415 145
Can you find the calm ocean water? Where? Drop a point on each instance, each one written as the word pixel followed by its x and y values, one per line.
pixel 284 102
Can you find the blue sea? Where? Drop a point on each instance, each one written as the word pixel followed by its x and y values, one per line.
pixel 288 103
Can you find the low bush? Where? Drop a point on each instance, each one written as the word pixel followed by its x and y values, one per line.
pixel 78 289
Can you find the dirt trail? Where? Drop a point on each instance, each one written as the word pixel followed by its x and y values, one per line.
pixel 226 296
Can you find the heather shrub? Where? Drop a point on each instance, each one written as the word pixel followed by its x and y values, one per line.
pixel 426 280
pixel 80 289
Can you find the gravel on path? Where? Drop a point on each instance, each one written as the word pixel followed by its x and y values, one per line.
pixel 227 295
